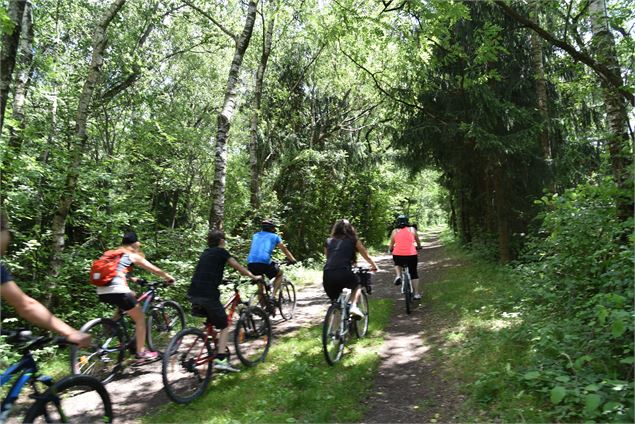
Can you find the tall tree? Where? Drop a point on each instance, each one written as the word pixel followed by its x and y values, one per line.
pixel 254 145
pixel 10 41
pixel 80 135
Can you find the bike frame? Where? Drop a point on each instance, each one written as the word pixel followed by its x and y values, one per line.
pixel 403 280
pixel 27 368
pixel 210 331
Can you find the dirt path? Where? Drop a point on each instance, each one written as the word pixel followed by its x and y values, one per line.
pixel 139 389
pixel 409 386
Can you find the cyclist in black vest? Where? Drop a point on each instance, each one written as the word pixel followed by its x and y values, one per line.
pixel 341 251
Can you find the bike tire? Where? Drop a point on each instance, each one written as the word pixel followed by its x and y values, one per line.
pixel 287 299
pixel 361 326
pixel 165 320
pixel 187 366
pixel 252 336
pixel 104 357
pixel 332 340
pixel 407 291
pixel 74 399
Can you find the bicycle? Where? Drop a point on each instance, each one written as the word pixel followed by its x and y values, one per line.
pixel 75 398
pixel 187 364
pixel 286 299
pixel 338 322
pixel 406 288
pixel 103 359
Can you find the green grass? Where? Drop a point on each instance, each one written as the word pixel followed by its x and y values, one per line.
pixel 474 309
pixel 294 385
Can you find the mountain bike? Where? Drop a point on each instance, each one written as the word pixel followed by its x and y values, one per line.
pixel 76 398
pixel 103 359
pixel 285 300
pixel 187 363
pixel 338 323
pixel 406 287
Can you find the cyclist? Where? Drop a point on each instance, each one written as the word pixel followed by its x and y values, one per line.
pixel 259 260
pixel 404 253
pixel 341 250
pixel 117 292
pixel 27 307
pixel 204 291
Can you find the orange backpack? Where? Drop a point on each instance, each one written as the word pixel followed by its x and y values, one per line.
pixel 104 269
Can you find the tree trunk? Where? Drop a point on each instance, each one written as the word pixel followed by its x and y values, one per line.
pixel 79 138
pixel 619 141
pixel 541 91
pixel 9 52
pixel 254 145
pixel 217 212
pixel 501 216
pixel 25 61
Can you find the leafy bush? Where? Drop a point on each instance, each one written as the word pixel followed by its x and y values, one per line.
pixel 578 309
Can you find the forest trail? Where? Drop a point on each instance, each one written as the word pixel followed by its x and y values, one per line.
pixel 410 386
pixel 407 387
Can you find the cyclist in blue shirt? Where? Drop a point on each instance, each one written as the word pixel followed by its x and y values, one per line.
pixel 262 245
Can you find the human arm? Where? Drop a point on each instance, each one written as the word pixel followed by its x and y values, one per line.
pixel 36 313
pixel 416 234
pixel 244 271
pixel 391 245
pixel 286 252
pixel 362 251
pixel 145 264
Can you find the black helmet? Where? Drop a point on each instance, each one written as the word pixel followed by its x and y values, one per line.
pixel 268 225
pixel 402 221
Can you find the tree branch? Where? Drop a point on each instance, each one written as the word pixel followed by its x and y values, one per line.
pixel 602 70
pixel 214 21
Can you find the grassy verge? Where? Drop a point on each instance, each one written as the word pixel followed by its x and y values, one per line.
pixel 294 385
pixel 473 307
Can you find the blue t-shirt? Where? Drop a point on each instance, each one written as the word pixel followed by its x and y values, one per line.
pixel 5 275
pixel 262 244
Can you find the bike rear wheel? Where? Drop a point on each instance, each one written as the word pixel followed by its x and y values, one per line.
pixel 103 358
pixel 361 326
pixel 252 336
pixel 73 399
pixel 332 339
pixel 286 299
pixel 164 321
pixel 407 291
pixel 187 365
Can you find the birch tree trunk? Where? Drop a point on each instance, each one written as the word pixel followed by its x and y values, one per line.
pixel 619 141
pixel 217 212
pixel 8 55
pixel 78 142
pixel 254 145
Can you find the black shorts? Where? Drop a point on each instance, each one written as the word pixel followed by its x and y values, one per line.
pixel 215 311
pixel 408 261
pixel 336 280
pixel 124 301
pixel 270 270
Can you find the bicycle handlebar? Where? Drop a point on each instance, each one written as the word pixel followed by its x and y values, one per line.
pixel 152 284
pixel 33 342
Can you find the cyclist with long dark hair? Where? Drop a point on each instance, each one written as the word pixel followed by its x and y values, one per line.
pixel 341 252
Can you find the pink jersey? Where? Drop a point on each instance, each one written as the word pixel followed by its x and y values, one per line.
pixel 404 243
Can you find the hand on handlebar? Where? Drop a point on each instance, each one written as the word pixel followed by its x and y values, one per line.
pixel 79 338
pixel 419 247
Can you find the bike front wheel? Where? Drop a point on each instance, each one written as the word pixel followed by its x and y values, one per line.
pixel 103 358
pixel 73 399
pixel 287 299
pixel 332 338
pixel 187 365
pixel 252 336
pixel 361 326
pixel 164 321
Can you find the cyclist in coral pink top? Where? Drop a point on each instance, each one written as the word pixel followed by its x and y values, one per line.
pixel 404 252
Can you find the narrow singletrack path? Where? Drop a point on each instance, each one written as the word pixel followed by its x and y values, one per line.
pixel 410 386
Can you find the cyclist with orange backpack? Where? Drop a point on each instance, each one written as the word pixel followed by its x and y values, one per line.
pixel 115 290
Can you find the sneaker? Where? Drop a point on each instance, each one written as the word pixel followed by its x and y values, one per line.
pixel 356 312
pixel 397 281
pixel 224 365
pixel 146 356
pixel 417 296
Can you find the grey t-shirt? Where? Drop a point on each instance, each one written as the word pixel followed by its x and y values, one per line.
pixel 340 253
